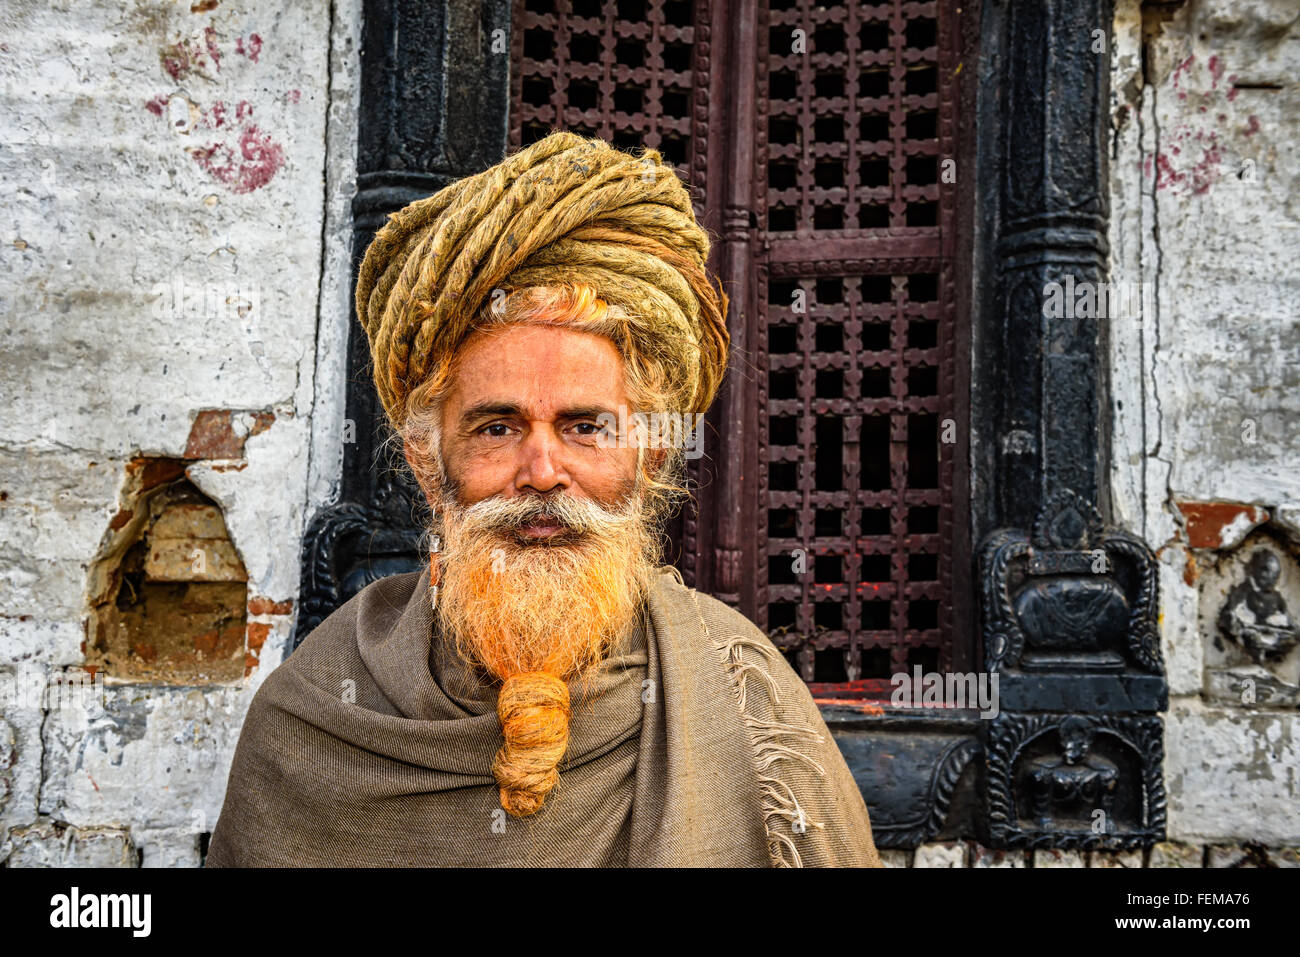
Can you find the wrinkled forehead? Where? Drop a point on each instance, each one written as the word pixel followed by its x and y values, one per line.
pixel 543 372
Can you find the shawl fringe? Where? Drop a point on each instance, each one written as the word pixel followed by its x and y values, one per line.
pixel 784 817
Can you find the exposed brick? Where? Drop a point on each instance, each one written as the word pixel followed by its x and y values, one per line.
pixel 265 606
pixel 1219 524
pixel 193 560
pixel 257 633
pixel 214 436
pixel 153 472
pixel 189 521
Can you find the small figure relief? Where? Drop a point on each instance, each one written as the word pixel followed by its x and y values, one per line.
pixel 1077 779
pixel 1255 616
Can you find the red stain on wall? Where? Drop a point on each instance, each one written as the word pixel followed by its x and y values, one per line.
pixel 1192 159
pixel 251 49
pixel 210 44
pixel 253 157
pixel 1205 521
pixel 255 162
pixel 1178 76
pixel 1216 71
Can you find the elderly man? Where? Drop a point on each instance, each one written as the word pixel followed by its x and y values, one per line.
pixel 544 693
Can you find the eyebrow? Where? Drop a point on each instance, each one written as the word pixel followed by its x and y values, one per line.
pixel 495 408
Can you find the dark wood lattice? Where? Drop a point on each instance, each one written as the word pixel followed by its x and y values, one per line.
pixel 853 117
pixel 622 70
pixel 848 326
pixel 856 336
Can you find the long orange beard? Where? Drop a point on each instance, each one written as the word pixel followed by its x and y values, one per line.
pixel 535 614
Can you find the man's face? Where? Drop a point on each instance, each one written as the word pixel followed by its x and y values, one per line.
pixel 547 546
pixel 522 419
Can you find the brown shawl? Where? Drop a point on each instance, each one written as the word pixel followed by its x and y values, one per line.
pixel 695 744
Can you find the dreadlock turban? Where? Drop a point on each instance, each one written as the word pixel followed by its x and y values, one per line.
pixel 565 209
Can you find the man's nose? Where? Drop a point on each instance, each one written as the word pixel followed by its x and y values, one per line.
pixel 541 465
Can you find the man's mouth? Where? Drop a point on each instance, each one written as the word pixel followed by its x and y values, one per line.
pixel 543 526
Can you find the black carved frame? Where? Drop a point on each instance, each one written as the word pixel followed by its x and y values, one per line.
pixel 433 109
pixel 434 105
pixel 1041 420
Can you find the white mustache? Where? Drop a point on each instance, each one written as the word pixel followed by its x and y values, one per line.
pixel 578 514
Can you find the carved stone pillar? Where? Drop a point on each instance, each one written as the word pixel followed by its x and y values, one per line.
pixel 1068 603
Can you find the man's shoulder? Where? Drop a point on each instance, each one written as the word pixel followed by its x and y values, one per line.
pixel 716 613
pixel 332 643
pixel 723 624
pixel 329 653
pixel 387 596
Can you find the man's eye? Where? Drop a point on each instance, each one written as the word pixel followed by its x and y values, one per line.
pixel 595 429
pixel 494 435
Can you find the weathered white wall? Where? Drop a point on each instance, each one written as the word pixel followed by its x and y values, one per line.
pixel 1206 209
pixel 145 147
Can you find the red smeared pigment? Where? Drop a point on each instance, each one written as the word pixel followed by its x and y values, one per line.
pixel 175 61
pixel 1216 71
pixel 210 40
pixel 1206 173
pixel 1178 73
pixel 256 164
pixel 1166 175
pixel 251 49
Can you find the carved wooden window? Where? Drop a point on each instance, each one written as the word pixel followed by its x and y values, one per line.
pixel 847 325
pixel 856 332
pixel 622 70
